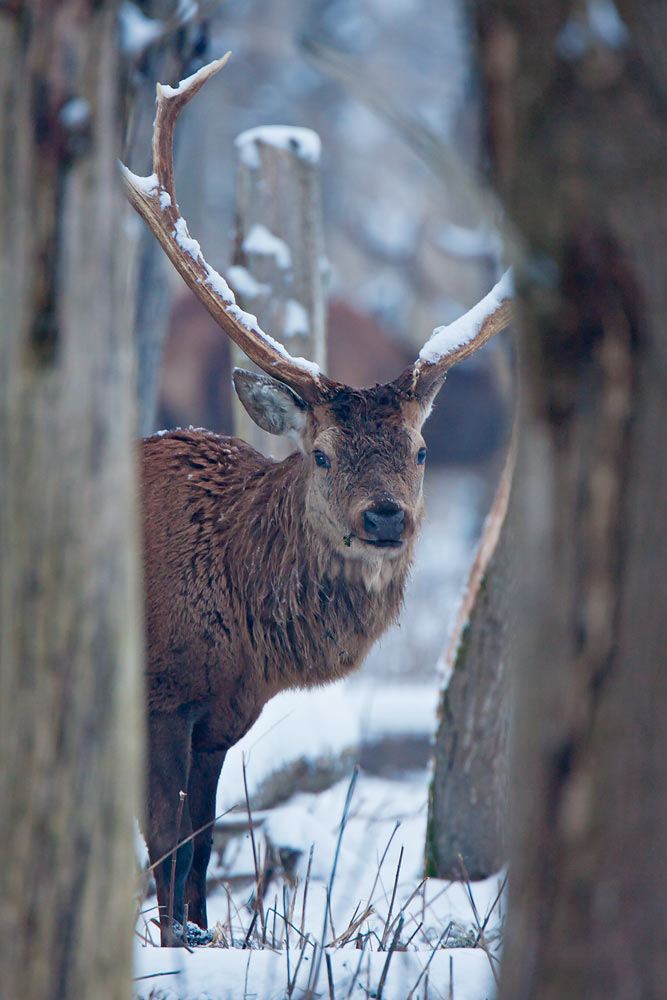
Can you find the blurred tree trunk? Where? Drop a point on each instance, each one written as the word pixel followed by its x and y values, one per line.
pixel 466 833
pixel 176 51
pixel 577 113
pixel 70 694
pixel 280 275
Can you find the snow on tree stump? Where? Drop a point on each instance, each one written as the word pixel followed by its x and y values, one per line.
pixel 279 262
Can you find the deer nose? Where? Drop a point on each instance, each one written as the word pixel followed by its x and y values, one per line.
pixel 384 521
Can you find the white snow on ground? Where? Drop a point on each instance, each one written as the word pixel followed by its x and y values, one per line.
pixel 236 974
pixel 381 853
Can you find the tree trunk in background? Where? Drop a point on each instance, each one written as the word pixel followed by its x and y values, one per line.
pixel 70 694
pixel 577 115
pixel 279 258
pixel 168 58
pixel 466 833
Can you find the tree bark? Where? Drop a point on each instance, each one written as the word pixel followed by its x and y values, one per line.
pixel 279 277
pixel 70 696
pixel 466 832
pixel 168 59
pixel 577 121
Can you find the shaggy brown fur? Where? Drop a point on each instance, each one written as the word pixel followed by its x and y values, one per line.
pixel 258 579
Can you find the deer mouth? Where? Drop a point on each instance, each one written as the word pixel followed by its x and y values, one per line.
pixel 383 543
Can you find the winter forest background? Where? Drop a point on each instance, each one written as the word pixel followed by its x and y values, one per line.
pixel 423 109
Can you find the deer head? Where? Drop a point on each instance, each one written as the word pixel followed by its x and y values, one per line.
pixel 363 450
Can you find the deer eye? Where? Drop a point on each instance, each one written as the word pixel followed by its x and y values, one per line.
pixel 421 456
pixel 322 460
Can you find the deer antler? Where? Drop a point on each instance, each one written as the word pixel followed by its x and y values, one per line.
pixel 154 199
pixel 448 345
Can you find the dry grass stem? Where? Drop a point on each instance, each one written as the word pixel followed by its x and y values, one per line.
pixel 332 995
pixel 305 888
pixel 174 856
pixel 392 949
pixel 258 877
pixel 393 899
pixel 351 930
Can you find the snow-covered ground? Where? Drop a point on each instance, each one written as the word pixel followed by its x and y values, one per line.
pixel 300 762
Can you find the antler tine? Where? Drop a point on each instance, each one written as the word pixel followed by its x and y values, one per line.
pixel 448 345
pixel 154 199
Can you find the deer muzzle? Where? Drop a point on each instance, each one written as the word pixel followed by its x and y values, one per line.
pixel 384 523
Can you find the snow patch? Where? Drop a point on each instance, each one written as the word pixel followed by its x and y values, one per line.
pixel 187 10
pixel 75 113
pixel 296 320
pixel 465 243
pixel 262 241
pixel 303 142
pixel 147 185
pixel 137 31
pixel 245 284
pixel 598 23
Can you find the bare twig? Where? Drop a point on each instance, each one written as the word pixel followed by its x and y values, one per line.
pixel 430 959
pixel 259 889
pixel 174 856
pixel 154 975
pixel 494 904
pixel 187 839
pixel 393 898
pixel 384 855
pixel 480 938
pixel 315 969
pixel 385 967
pixel 290 988
pixel 305 888
pixel 352 928
pixel 330 976
pixel 289 991
pixel 356 974
pixel 414 933
pixel 250 930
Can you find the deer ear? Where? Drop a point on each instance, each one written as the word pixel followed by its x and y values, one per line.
pixel 427 398
pixel 271 404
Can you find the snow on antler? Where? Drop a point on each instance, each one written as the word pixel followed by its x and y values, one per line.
pixel 154 199
pixel 472 329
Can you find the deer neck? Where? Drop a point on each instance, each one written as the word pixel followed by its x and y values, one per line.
pixel 331 608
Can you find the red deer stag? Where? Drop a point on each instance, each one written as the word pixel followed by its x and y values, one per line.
pixel 263 575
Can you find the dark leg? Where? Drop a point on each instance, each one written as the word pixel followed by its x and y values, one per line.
pixel 202 786
pixel 169 739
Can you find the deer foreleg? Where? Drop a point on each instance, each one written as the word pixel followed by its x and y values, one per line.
pixel 169 815
pixel 202 785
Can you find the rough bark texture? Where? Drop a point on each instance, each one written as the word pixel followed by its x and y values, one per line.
pixel 467 809
pixel 279 189
pixel 578 134
pixel 70 697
